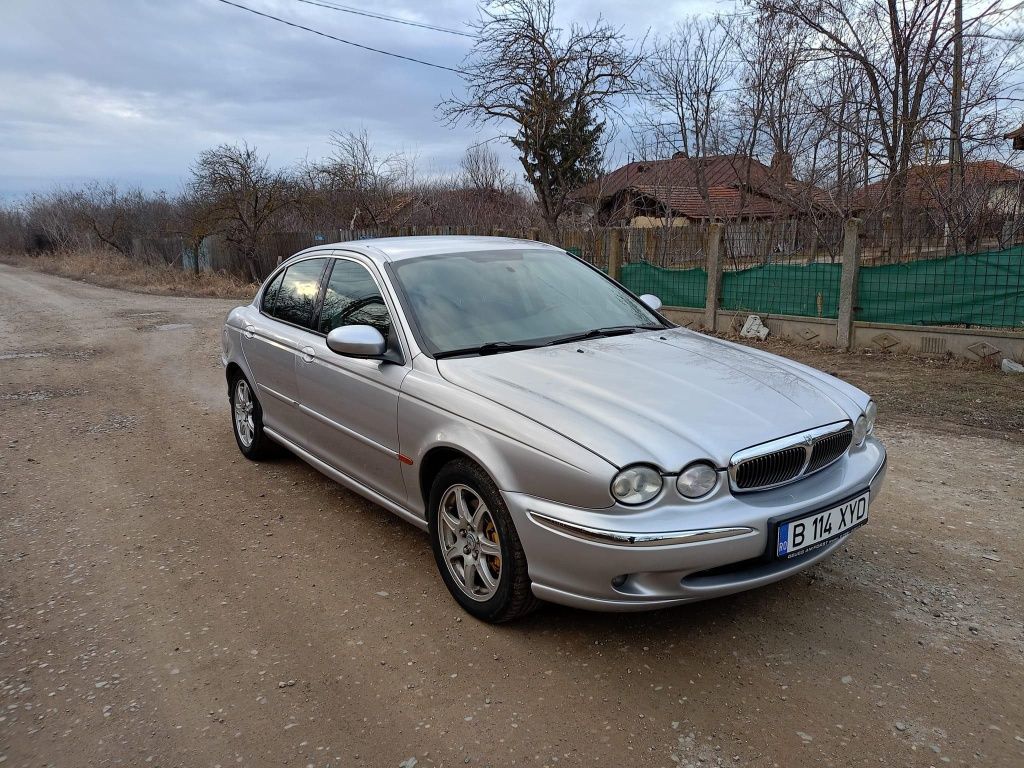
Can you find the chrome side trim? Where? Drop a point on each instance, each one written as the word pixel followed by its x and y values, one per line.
pixel 346 430
pixel 626 539
pixel 805 439
pixel 349 482
pixel 274 393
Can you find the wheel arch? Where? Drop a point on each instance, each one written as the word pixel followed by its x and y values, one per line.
pixel 435 459
pixel 232 372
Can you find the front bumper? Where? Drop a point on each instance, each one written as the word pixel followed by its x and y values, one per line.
pixel 677 553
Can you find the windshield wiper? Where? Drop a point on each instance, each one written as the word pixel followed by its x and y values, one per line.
pixel 599 333
pixel 490 348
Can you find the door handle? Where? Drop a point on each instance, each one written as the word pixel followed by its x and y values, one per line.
pixel 250 331
pixel 308 353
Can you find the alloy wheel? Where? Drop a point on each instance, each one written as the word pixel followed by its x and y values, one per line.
pixel 245 426
pixel 469 542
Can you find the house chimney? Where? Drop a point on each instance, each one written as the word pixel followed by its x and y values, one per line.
pixel 782 166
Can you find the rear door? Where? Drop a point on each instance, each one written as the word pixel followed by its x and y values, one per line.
pixel 276 337
pixel 354 403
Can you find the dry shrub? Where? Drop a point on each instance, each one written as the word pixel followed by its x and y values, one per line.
pixel 113 270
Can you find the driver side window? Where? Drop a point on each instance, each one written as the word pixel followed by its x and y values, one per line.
pixel 352 298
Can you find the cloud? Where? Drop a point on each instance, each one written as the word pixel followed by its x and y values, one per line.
pixel 133 89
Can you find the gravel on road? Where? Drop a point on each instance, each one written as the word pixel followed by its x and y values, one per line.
pixel 165 602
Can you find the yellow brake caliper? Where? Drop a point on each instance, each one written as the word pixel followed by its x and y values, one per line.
pixel 493 560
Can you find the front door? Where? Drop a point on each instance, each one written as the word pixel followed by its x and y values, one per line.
pixel 353 403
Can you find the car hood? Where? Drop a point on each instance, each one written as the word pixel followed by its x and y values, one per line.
pixel 665 397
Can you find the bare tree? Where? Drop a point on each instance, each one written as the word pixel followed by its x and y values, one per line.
pixel 115 217
pixel 482 170
pixel 554 87
pixel 245 195
pixel 686 84
pixel 376 182
pixel 196 220
pixel 53 219
pixel 899 48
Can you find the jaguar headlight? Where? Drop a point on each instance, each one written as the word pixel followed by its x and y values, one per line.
pixel 636 484
pixel 697 480
pixel 871 413
pixel 860 430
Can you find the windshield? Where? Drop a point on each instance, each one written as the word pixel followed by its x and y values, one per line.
pixel 511 299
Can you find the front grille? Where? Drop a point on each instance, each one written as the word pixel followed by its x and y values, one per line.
pixel 771 468
pixel 789 458
pixel 829 448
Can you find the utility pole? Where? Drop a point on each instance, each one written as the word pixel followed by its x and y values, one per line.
pixel 956 147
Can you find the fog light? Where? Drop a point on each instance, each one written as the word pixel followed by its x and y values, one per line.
pixel 618 581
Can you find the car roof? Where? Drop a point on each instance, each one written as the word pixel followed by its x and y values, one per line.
pixel 398 248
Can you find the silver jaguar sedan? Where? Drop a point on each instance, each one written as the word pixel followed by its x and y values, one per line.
pixel 557 437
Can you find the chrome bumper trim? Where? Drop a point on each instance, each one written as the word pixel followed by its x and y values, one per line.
pixel 626 539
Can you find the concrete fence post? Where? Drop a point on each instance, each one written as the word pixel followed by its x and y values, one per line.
pixel 848 283
pixel 615 254
pixel 714 267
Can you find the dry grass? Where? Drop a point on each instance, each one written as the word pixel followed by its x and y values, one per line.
pixel 115 271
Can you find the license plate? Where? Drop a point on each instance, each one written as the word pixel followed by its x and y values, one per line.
pixel 796 537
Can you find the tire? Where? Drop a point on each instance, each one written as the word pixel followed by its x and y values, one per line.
pixel 247 421
pixel 483 545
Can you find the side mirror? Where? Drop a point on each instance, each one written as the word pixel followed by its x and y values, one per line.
pixel 651 301
pixel 357 341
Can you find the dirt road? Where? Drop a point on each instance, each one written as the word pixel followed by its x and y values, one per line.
pixel 165 602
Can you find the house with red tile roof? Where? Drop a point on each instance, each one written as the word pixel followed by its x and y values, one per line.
pixel 683 190
pixel 1017 137
pixel 985 206
pixel 931 188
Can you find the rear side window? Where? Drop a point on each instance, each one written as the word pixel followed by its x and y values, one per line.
pixel 352 298
pixel 299 291
pixel 270 295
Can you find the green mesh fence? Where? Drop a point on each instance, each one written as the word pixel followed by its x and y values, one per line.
pixel 675 287
pixel 810 290
pixel 985 289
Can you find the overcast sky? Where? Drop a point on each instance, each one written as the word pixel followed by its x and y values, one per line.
pixel 132 90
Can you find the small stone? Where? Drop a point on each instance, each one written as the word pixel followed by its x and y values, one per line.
pixel 993 558
pixel 846 680
pixel 805 736
pixel 409 762
pixel 900 726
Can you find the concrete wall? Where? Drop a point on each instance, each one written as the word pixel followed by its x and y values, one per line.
pixel 969 343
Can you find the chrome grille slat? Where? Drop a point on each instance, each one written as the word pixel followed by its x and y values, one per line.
pixel 829 448
pixel 782 461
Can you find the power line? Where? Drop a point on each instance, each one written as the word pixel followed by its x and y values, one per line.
pixel 341 40
pixel 385 17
